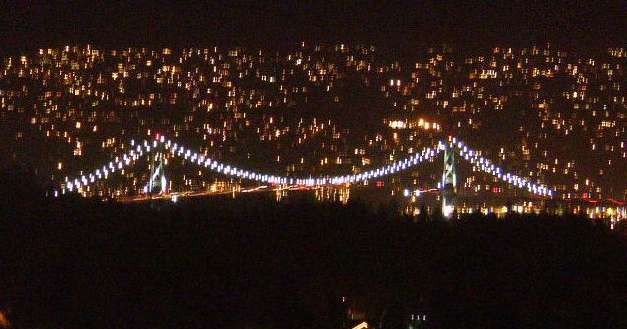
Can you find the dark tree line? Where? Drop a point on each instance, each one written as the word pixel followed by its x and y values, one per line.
pixel 254 263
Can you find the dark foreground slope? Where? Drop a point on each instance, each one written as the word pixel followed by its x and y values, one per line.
pixel 253 263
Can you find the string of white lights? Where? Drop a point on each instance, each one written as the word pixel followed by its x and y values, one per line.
pixel 118 164
pixel 181 151
pixel 488 167
pixel 225 169
pixel 228 170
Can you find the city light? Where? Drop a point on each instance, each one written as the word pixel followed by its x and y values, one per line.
pixel 231 127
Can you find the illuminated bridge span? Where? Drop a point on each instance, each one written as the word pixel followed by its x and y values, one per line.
pixel 451 147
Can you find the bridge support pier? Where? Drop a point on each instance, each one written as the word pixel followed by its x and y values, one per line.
pixel 449 182
pixel 157 182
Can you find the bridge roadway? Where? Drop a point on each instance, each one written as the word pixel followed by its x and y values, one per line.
pixel 174 195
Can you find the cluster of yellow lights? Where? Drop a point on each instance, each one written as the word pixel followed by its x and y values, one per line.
pixel 596 90
pixel 420 123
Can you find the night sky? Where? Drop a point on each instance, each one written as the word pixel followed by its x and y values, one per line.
pixel 399 25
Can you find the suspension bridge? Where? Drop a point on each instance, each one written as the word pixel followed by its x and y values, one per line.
pixel 452 149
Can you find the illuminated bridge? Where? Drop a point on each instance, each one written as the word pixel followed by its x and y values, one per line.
pixel 452 148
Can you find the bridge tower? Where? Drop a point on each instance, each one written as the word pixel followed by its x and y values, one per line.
pixel 157 182
pixel 449 182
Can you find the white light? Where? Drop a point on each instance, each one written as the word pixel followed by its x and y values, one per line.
pixel 447 211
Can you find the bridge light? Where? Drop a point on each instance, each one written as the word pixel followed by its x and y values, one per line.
pixel 447 210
